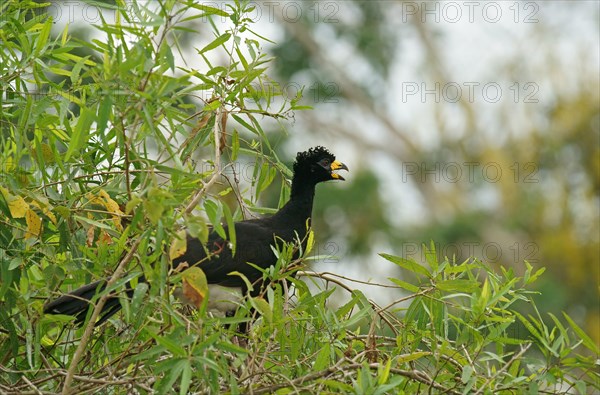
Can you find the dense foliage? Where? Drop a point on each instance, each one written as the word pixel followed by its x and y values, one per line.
pixel 110 146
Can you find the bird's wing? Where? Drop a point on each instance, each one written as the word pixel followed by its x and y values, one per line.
pixel 253 244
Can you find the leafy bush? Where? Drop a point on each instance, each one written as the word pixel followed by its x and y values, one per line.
pixel 105 157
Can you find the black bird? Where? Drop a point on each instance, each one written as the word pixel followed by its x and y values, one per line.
pixel 254 239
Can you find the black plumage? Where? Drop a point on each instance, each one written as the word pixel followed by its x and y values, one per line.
pixel 254 241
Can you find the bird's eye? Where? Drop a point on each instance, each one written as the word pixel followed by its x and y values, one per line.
pixel 326 162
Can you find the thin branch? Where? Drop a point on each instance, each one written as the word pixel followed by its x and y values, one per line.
pixel 503 368
pixel 378 309
pixel 409 297
pixel 29 383
pixel 324 275
pixel 217 163
pixel 339 367
pixel 299 380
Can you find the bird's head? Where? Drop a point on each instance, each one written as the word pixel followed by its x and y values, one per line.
pixel 317 165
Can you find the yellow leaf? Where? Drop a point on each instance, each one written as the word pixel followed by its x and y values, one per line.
pixel 47 341
pixel 178 245
pixel 195 286
pixel 9 165
pixel 94 199
pixel 45 210
pixel 117 222
pixel 17 206
pixel 89 240
pixel 47 153
pixel 110 204
pixel 50 215
pixel 310 242
pixel 34 224
pixel 112 207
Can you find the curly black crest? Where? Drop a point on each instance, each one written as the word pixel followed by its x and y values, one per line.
pixel 307 158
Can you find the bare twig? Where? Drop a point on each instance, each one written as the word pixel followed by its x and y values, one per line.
pixel 29 383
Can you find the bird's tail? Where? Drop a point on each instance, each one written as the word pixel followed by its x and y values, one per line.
pixel 78 303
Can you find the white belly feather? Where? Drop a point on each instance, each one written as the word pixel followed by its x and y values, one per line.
pixel 223 299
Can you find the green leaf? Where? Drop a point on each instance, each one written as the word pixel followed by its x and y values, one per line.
pixel 299 108
pixel 76 70
pixel 528 278
pixel 196 227
pixel 172 345
pixel 92 222
pixel 230 227
pixel 431 256
pixel 214 212
pixel 466 374
pixel 310 242
pixel 587 341
pixel 15 263
pixel 345 309
pixel 174 368
pixel 462 268
pixel 265 178
pixel 80 133
pixel 138 297
pixel 168 54
pixel 213 105
pixel 581 387
pixel 103 114
pixel 154 210
pixel 244 123
pixel 186 377
pixel 262 306
pixel 235 145
pixel 339 387
pixel 230 347
pixel 403 284
pixel 42 38
pixel 355 319
pixel 384 375
pixel 216 70
pixel 209 10
pixel 407 264
pixel 244 279
pixel 222 39
pixel 400 359
pixel 533 330
pixel 133 203
pixel 323 358
pixel 457 285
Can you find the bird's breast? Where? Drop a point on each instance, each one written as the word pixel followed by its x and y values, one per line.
pixel 223 299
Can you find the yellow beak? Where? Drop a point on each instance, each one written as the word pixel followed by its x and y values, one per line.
pixel 337 165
